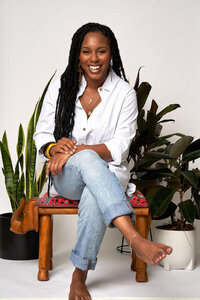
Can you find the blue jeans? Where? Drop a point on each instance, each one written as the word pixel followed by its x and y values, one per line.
pixel 86 177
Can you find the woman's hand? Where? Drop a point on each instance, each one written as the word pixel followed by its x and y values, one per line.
pixel 56 163
pixel 64 145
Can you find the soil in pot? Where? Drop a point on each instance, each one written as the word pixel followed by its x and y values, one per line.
pixel 17 246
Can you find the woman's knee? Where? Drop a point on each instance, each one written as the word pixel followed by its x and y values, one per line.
pixel 88 157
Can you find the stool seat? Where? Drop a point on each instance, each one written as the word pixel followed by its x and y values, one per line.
pixel 136 199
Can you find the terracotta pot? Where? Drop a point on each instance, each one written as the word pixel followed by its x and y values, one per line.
pixel 16 246
pixel 183 244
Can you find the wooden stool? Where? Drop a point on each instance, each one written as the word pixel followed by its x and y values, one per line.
pixel 143 222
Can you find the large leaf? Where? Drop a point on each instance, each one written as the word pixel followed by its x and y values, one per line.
pixel 5 142
pixel 196 195
pixel 154 107
pixel 137 81
pixel 166 110
pixel 30 155
pixel 190 176
pixel 191 156
pixel 188 210
pixel 180 145
pixel 41 180
pixel 20 141
pixel 142 94
pixel 20 188
pixel 7 169
pixel 160 201
pixel 194 146
pixel 40 102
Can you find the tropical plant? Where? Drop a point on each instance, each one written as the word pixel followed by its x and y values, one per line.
pixel 178 178
pixel 21 180
pixel 148 137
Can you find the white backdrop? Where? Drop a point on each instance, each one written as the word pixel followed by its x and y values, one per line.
pixel 162 35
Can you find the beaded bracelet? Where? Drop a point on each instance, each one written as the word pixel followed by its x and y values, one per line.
pixel 47 152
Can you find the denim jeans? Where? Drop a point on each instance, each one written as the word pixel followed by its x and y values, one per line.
pixel 86 177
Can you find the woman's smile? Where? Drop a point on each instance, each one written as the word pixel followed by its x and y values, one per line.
pixel 95 56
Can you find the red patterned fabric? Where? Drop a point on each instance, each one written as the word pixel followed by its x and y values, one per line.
pixel 137 199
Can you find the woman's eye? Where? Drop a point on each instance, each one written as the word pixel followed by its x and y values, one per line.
pixel 102 51
pixel 85 51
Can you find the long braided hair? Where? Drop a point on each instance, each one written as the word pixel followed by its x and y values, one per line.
pixel 65 108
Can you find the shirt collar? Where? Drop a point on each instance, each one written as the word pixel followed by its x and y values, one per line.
pixel 108 84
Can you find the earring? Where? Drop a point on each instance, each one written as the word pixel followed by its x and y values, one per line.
pixel 111 64
pixel 80 70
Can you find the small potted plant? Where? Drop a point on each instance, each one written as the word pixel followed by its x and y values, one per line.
pixel 21 182
pixel 178 179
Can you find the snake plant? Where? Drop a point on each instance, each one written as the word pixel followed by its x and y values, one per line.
pixel 21 180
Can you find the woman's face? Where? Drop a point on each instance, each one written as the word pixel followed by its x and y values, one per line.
pixel 95 56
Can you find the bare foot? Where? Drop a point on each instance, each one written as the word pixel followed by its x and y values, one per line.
pixel 150 252
pixel 78 289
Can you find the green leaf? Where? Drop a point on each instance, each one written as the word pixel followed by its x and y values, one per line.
pixel 166 110
pixel 171 135
pixel 30 154
pixel 155 154
pixel 190 176
pixel 40 102
pixel 194 146
pixel 191 156
pixel 7 169
pixel 142 94
pixel 180 145
pixel 154 107
pixel 5 142
pixel 20 188
pixel 160 201
pixel 20 141
pixel 167 120
pixel 41 180
pixel 137 81
pixel 188 210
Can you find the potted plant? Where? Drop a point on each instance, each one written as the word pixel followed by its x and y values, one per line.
pixel 178 179
pixel 21 181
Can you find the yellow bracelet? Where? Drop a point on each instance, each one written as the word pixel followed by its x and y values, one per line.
pixel 48 150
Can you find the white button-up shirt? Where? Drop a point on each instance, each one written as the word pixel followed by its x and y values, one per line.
pixel 112 122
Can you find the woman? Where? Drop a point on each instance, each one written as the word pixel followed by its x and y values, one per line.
pixel 87 123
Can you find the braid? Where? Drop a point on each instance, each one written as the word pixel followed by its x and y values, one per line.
pixel 65 108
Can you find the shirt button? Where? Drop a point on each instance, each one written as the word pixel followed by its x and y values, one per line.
pixel 84 129
pixel 100 89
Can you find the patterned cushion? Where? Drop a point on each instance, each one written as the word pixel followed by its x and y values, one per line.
pixel 137 199
pixel 57 201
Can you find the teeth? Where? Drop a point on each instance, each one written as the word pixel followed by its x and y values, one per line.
pixel 94 67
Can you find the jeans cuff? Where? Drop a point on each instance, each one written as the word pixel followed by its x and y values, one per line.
pixel 83 263
pixel 116 210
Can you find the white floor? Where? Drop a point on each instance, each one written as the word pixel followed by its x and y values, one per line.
pixel 112 278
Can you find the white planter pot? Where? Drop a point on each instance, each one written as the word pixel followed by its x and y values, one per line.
pixel 183 244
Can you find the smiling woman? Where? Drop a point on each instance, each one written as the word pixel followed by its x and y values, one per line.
pixel 85 129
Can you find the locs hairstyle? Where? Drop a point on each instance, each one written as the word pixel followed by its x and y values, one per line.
pixel 65 108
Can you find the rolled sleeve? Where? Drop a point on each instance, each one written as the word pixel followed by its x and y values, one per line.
pixel 125 131
pixel 46 122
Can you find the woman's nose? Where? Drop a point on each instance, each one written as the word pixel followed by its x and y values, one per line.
pixel 94 57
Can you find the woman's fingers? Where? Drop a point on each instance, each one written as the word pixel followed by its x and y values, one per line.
pixel 64 145
pixel 56 163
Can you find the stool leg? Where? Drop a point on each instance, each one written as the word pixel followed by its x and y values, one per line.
pixel 44 247
pixel 141 227
pixel 51 246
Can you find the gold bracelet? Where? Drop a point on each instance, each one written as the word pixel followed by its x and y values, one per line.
pixel 131 240
pixel 48 150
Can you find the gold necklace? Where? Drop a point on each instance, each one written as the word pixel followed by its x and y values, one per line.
pixel 90 98
pixel 89 110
